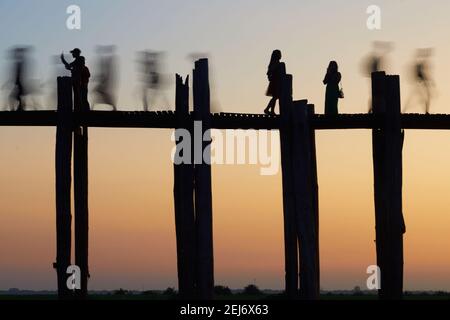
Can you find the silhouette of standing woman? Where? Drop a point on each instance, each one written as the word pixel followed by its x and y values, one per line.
pixel 332 95
pixel 275 70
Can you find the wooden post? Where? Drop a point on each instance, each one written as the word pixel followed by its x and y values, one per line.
pixel 387 156
pixel 315 192
pixel 81 206
pixel 378 108
pixel 305 201
pixel 290 230
pixel 393 175
pixel 203 195
pixel 184 199
pixel 63 163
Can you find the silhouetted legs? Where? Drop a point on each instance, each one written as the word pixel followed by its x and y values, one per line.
pixel 104 96
pixel 16 100
pixel 84 99
pixel 145 99
pixel 150 98
pixel 270 110
pixel 427 96
pixel 422 93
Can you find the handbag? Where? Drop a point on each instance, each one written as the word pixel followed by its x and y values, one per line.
pixel 341 93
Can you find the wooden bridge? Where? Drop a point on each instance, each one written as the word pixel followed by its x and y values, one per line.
pixel 297 124
pixel 223 120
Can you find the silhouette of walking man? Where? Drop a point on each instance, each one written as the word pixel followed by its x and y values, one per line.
pixel 333 93
pixel 423 80
pixel 76 68
pixel 423 77
pixel 376 61
pixel 18 92
pixel 151 78
pixel 275 70
pixel 107 77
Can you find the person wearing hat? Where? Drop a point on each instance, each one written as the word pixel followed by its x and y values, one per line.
pixel 76 68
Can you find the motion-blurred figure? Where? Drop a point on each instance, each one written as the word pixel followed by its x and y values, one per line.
pixel 58 70
pixel 76 67
pixel 151 77
pixel 19 78
pixel 376 60
pixel 106 78
pixel 423 82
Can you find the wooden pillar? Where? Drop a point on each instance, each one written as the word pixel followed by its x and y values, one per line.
pixel 314 192
pixel 63 163
pixel 203 194
pixel 81 206
pixel 306 207
pixel 184 198
pixel 290 230
pixel 387 158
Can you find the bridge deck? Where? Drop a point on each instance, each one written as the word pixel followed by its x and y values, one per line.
pixel 167 119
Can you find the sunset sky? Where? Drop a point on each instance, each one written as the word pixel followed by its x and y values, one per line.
pixel 132 233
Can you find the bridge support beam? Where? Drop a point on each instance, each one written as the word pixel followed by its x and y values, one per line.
pixel 300 195
pixel 202 176
pixel 387 163
pixel 184 196
pixel 63 174
pixel 80 150
pixel 290 229
pixel 306 200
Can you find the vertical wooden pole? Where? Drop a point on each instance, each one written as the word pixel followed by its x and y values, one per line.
pixel 393 176
pixel 203 194
pixel 81 206
pixel 184 199
pixel 315 192
pixel 63 163
pixel 378 108
pixel 290 231
pixel 305 206
pixel 387 156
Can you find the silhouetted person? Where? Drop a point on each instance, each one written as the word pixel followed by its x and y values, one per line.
pixel 106 78
pixel 332 95
pixel 275 70
pixel 76 68
pixel 151 78
pixel 84 80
